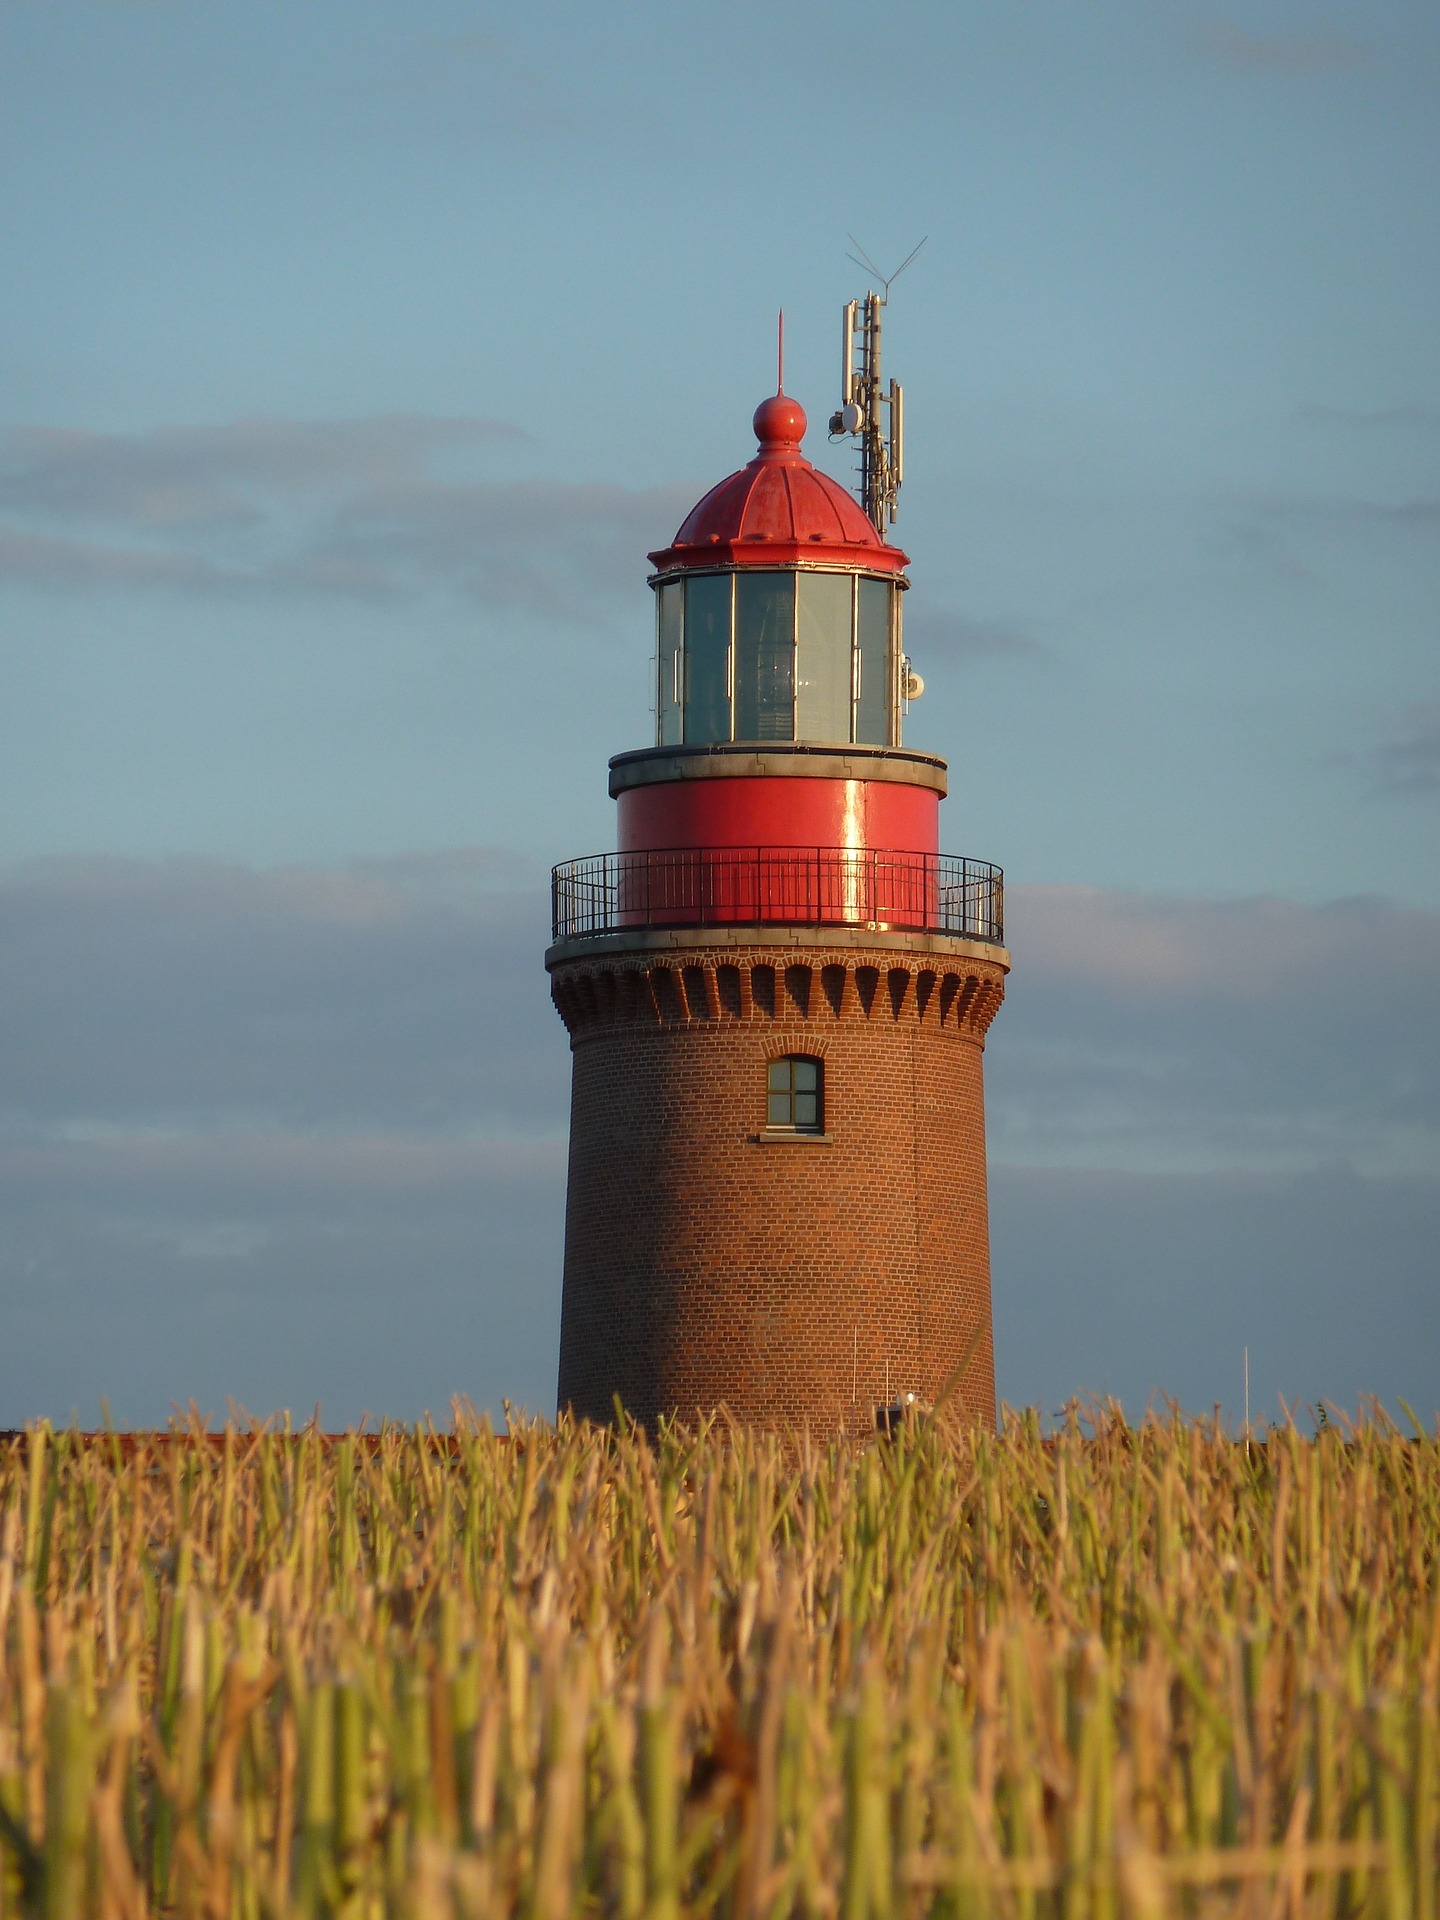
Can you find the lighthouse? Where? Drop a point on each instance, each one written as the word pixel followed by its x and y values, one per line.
pixel 777 987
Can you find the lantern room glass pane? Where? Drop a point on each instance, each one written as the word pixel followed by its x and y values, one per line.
pixel 823 673
pixel 872 640
pixel 707 659
pixel 765 656
pixel 669 618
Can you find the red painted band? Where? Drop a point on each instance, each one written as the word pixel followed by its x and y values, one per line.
pixel 791 812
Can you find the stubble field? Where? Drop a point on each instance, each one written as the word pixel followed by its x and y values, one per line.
pixel 1117 1671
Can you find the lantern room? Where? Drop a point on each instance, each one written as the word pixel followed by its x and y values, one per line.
pixel 778 609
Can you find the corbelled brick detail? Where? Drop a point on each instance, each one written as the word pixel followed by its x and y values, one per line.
pixel 707 1264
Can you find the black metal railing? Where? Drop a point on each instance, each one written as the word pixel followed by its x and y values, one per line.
pixel 780 886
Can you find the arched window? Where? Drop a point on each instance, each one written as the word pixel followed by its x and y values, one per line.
pixel 795 1091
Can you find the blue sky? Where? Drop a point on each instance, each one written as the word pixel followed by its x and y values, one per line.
pixel 350 360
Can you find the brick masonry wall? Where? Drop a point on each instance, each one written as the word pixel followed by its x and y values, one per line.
pixel 704 1266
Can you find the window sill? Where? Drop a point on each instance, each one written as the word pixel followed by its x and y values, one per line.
pixel 790 1137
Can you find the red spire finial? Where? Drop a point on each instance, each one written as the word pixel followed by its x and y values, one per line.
pixel 780 421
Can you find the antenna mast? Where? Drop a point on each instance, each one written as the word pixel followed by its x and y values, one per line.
pixel 865 403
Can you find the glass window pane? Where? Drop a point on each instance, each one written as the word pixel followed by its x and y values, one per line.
pixel 822 662
pixel 707 659
pixel 765 656
pixel 872 710
pixel 779 1076
pixel 779 1110
pixel 806 1074
pixel 668 617
pixel 807 1110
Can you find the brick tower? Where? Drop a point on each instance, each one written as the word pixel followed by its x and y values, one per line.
pixel 777 993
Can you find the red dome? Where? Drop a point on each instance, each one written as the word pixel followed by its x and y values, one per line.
pixel 779 510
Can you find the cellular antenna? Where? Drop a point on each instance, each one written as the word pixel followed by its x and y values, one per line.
pixel 864 404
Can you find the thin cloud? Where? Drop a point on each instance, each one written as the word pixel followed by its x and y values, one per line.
pixel 1143 1284
pixel 1342 513
pixel 210 475
pixel 1423 515
pixel 1147 1032
pixel 276 1167
pixel 951 635
pixel 330 1096
pixel 1284 53
pixel 402 1271
pixel 45 560
pixel 460 74
pixel 451 83
pixel 200 994
pixel 1272 530
pixel 1314 413
pixel 545 546
pixel 1408 763
pixel 1148 944
pixel 357 509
